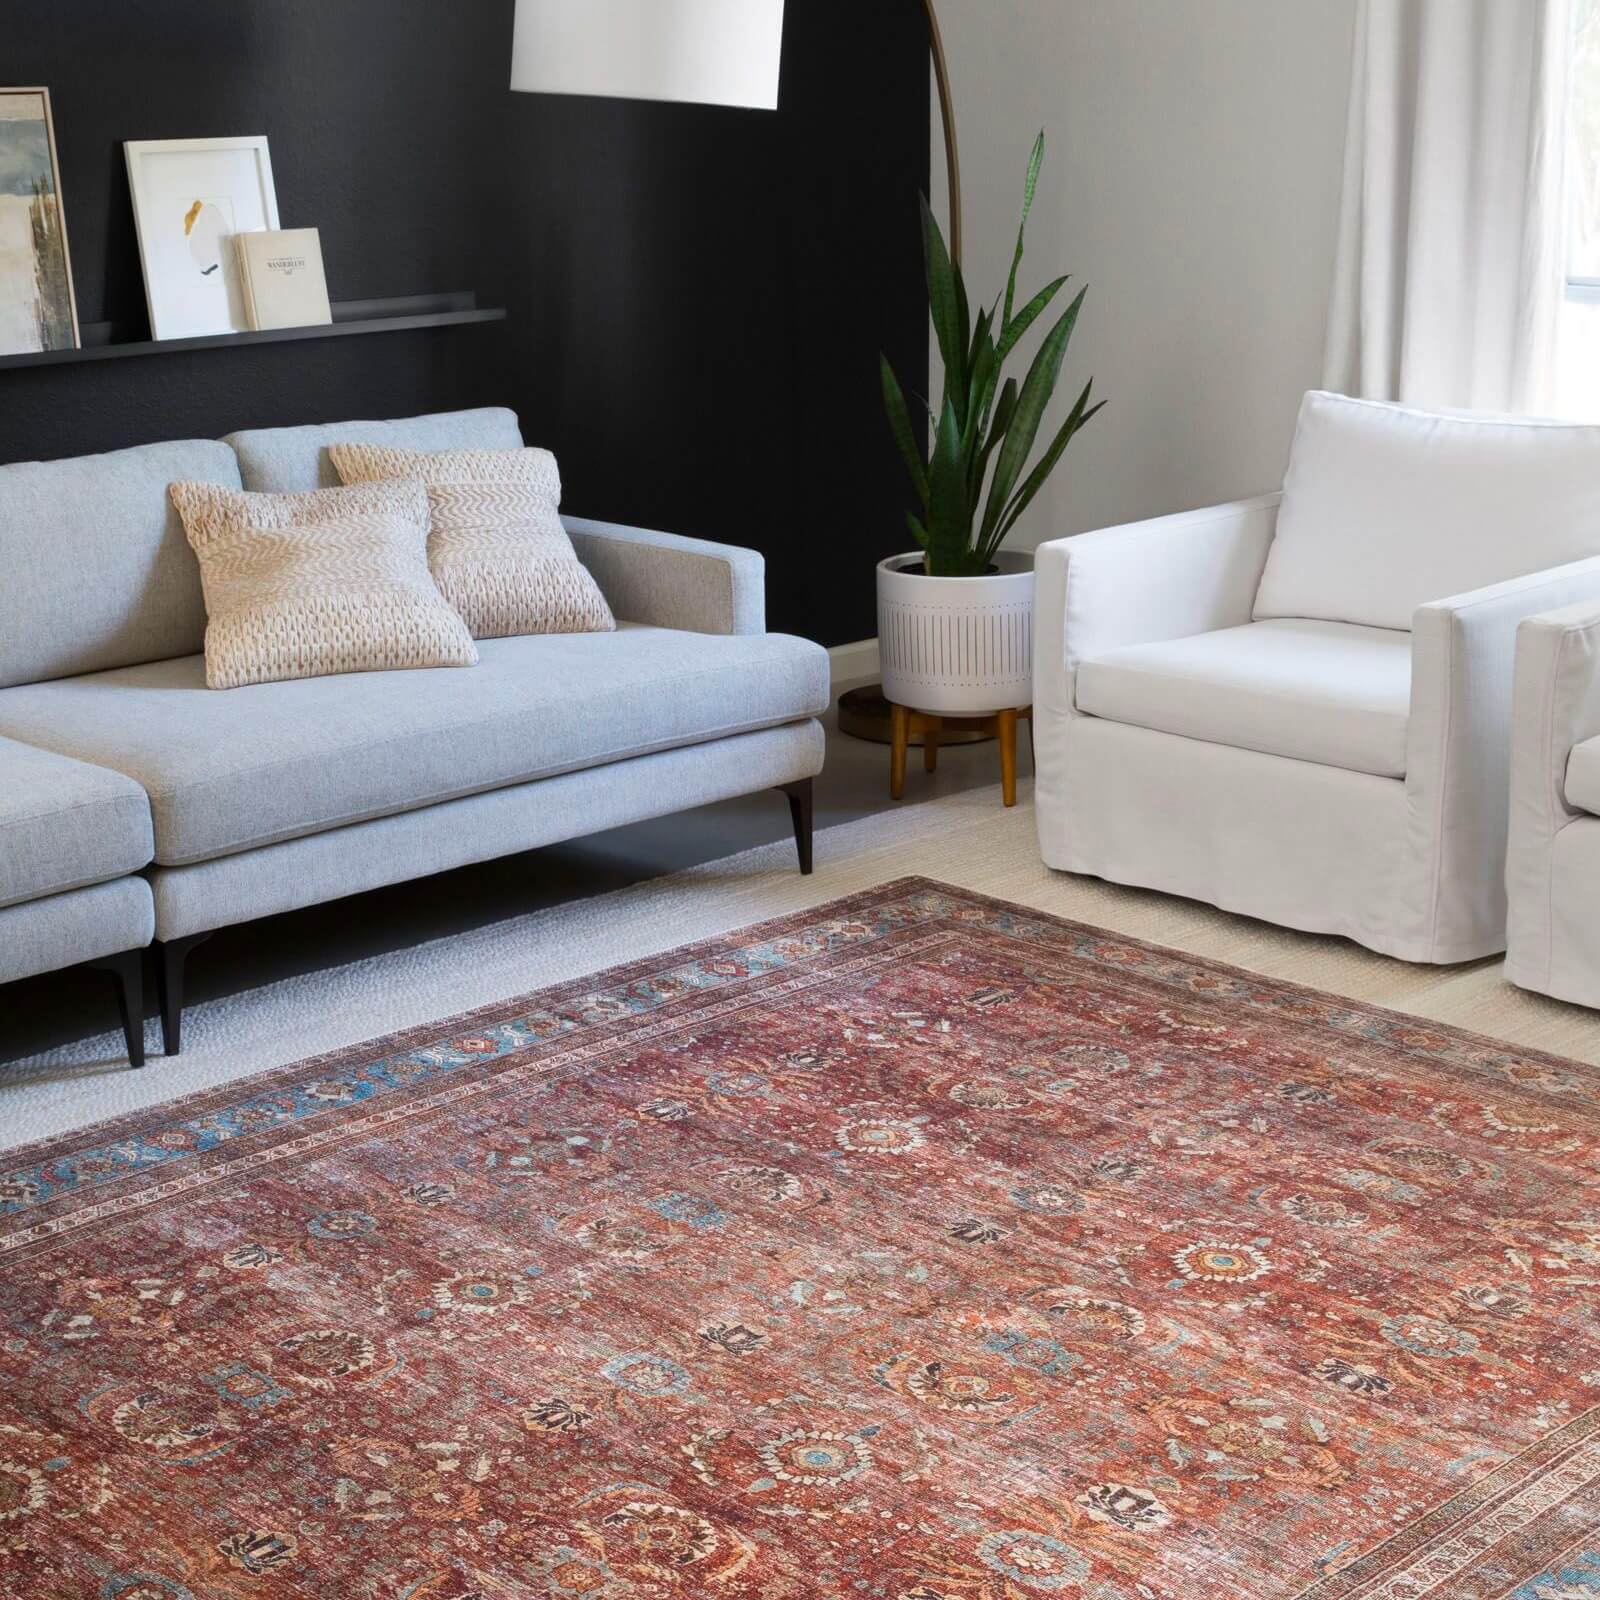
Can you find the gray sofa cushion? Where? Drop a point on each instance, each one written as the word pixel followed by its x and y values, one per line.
pixel 64 825
pixel 230 771
pixel 46 935
pixel 478 827
pixel 292 460
pixel 97 572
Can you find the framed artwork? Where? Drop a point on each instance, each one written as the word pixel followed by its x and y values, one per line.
pixel 190 196
pixel 38 310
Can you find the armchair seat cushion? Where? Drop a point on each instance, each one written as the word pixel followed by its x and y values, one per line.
pixel 268 762
pixel 64 825
pixel 1325 692
pixel 1582 787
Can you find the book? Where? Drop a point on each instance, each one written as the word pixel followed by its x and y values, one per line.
pixel 282 279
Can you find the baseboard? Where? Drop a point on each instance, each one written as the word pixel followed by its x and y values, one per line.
pixel 853 664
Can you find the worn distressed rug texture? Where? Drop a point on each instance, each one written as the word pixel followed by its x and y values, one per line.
pixel 912 1248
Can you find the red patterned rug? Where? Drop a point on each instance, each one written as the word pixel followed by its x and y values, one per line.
pixel 913 1248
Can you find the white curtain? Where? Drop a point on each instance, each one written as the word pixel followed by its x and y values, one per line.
pixel 1449 276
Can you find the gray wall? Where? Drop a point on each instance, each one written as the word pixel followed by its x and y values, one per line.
pixel 1193 177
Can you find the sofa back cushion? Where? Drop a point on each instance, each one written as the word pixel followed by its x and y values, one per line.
pixel 295 460
pixel 1386 509
pixel 95 571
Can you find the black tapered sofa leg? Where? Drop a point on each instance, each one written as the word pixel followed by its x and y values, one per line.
pixel 127 968
pixel 171 957
pixel 800 809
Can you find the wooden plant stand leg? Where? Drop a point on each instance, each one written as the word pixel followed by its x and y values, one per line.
pixel 906 725
pixel 1007 729
pixel 901 730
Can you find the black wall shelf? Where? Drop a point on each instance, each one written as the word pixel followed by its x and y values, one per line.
pixel 350 317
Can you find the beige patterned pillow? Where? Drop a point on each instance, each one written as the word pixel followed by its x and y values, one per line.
pixel 498 551
pixel 306 585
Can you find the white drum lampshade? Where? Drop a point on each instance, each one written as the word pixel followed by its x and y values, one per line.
pixel 709 52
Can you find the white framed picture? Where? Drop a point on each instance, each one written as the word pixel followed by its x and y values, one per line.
pixel 190 196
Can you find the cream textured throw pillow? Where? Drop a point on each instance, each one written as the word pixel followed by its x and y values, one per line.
pixel 306 585
pixel 498 551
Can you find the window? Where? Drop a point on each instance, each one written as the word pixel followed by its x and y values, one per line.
pixel 1578 378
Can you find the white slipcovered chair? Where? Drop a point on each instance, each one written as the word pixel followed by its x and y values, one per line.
pixel 1299 707
pixel 1553 864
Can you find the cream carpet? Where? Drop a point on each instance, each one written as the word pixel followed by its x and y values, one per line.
pixel 966 839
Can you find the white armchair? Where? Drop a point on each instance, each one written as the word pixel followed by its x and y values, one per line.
pixel 1553 861
pixel 1272 707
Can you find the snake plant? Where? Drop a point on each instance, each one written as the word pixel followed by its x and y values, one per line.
pixel 967 509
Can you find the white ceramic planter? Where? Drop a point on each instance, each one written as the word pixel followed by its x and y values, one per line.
pixel 958 647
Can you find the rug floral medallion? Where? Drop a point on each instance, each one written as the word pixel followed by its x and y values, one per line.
pixel 917 1247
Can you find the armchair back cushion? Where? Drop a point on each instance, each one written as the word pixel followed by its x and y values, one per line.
pixel 95 572
pixel 1386 509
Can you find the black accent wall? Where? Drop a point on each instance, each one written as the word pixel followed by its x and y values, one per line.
pixel 697 295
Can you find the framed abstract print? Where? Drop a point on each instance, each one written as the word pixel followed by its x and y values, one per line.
pixel 38 310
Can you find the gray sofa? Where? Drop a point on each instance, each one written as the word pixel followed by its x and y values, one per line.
pixel 136 805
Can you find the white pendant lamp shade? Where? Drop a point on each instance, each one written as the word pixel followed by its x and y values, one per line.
pixel 711 52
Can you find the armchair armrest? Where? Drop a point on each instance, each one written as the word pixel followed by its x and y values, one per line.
pixel 1164 579
pixel 1463 658
pixel 665 581
pixel 1556 707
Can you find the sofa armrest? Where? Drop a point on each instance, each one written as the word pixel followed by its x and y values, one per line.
pixel 1165 579
pixel 1458 768
pixel 665 581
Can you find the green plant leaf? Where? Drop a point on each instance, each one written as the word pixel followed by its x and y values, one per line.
pixel 984 381
pixel 918 532
pixel 981 369
pixel 1036 395
pixel 894 402
pixel 949 508
pixel 1011 334
pixel 1082 415
pixel 960 383
pixel 946 302
pixel 984 374
pixel 1035 162
pixel 1003 413
pixel 1047 465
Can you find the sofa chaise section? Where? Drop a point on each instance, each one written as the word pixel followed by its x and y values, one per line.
pixel 98 575
pixel 73 838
